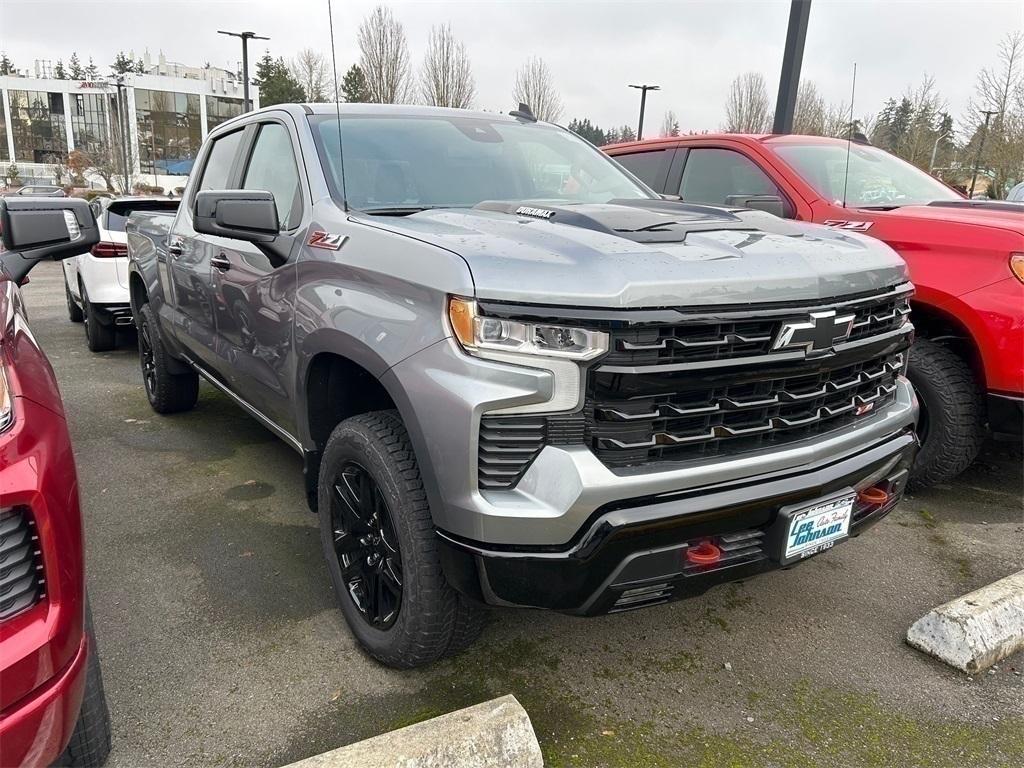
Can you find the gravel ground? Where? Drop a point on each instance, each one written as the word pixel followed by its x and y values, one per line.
pixel 221 644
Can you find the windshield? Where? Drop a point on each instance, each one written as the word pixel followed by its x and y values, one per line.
pixel 412 162
pixel 877 179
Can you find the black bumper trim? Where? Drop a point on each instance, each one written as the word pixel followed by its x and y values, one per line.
pixel 582 579
pixel 1006 416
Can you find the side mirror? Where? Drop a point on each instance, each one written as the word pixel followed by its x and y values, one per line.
pixel 238 214
pixel 769 203
pixel 242 214
pixel 33 229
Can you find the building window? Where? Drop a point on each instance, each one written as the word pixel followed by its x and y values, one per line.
pixel 170 131
pixel 3 136
pixel 90 122
pixel 37 123
pixel 219 109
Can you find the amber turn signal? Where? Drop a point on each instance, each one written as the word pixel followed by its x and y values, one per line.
pixel 461 313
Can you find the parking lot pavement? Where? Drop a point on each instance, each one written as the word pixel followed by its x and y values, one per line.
pixel 221 645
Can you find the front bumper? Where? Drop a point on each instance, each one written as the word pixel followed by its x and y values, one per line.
pixel 1006 416
pixel 632 553
pixel 442 394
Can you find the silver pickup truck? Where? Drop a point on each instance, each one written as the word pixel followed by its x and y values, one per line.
pixel 516 375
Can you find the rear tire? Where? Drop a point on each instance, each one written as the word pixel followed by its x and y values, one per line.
pixel 167 392
pixel 952 423
pixel 100 337
pixel 74 311
pixel 370 457
pixel 90 742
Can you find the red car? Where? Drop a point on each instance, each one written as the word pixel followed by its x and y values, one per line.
pixel 966 259
pixel 52 705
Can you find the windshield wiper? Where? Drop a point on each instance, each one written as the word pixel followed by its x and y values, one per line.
pixel 399 210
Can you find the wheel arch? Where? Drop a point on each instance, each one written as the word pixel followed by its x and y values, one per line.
pixel 342 377
pixel 939 325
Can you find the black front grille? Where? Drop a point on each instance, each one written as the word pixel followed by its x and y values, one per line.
pixel 694 390
pixel 21 565
pixel 509 444
pixel 733 334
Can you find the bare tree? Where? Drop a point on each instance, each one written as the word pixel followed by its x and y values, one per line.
pixel 446 79
pixel 747 108
pixel 670 124
pixel 809 115
pixel 384 58
pixel 310 71
pixel 535 87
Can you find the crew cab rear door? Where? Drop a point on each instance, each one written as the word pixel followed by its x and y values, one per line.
pixel 189 255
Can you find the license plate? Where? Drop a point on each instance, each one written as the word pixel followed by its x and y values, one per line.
pixel 817 528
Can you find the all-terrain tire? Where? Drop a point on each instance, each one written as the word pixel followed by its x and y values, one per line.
pixel 952 423
pixel 74 311
pixel 433 621
pixel 167 392
pixel 100 336
pixel 90 742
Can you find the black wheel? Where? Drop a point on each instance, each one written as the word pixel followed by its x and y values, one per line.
pixel 167 392
pixel 381 548
pixel 74 311
pixel 100 336
pixel 90 742
pixel 951 426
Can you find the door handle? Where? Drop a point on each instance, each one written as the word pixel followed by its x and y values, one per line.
pixel 176 249
pixel 220 261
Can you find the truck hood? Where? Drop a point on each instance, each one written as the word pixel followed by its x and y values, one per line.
pixel 997 215
pixel 649 254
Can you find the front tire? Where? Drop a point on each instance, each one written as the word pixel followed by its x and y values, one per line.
pixel 381 547
pixel 90 742
pixel 101 337
pixel 951 426
pixel 167 392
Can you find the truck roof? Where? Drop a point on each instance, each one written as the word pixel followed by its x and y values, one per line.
pixel 388 110
pixel 774 138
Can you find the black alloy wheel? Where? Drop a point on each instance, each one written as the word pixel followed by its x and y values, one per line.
pixel 366 546
pixel 148 360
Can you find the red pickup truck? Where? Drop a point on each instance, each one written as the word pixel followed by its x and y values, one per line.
pixel 966 259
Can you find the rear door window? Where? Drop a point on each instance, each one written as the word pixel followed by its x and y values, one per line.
pixel 217 171
pixel 650 167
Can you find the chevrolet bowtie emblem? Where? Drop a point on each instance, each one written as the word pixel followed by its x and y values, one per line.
pixel 817 335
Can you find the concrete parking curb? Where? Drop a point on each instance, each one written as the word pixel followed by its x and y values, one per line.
pixel 975 631
pixel 495 733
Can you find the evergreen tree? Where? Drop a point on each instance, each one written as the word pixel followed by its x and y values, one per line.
pixel 6 67
pixel 59 72
pixel 75 67
pixel 353 86
pixel 627 134
pixel 277 86
pixel 122 64
pixel 587 130
pixel 92 72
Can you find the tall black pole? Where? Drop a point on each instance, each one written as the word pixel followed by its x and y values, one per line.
pixel 122 128
pixel 643 104
pixel 981 145
pixel 789 82
pixel 245 38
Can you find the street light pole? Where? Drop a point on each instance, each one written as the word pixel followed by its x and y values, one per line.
pixel 981 145
pixel 643 103
pixel 245 38
pixel 935 148
pixel 122 128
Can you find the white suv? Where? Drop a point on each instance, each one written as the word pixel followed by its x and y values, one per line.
pixel 96 282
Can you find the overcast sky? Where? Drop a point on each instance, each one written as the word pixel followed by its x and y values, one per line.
pixel 595 49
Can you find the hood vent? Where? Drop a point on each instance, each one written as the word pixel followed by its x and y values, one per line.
pixel 642 221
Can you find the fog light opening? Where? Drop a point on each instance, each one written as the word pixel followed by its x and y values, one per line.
pixel 704 553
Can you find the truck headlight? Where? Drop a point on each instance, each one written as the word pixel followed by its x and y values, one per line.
pixel 6 400
pixel 477 333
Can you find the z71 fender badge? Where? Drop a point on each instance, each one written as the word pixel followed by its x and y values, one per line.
pixel 321 239
pixel 539 213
